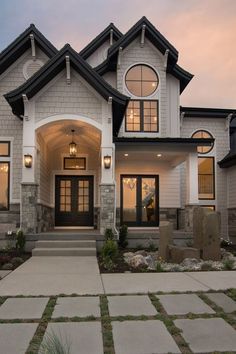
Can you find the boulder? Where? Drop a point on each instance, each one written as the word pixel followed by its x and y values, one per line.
pixel 138 261
pixel 178 254
pixel 166 238
pixel 211 236
pixel 150 261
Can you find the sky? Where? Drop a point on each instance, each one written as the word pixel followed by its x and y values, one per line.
pixel 203 32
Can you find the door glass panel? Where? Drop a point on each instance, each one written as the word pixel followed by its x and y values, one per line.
pixel 148 191
pixel 65 196
pixel 83 199
pixel 129 199
pixel 4 178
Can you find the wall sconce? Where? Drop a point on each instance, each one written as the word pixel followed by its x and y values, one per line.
pixel 28 160
pixel 73 145
pixel 107 161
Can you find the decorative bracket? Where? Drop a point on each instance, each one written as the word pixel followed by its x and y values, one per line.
pixel 166 58
pixel 25 101
pixel 111 36
pixel 228 121
pixel 182 119
pixel 143 36
pixel 109 103
pixel 119 57
pixel 68 80
pixel 33 49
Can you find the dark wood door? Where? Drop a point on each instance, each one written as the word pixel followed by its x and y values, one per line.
pixel 74 201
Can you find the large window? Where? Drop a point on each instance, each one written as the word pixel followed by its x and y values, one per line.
pixel 206 178
pixel 4 148
pixel 142 116
pixel 141 80
pixel 74 163
pixel 4 185
pixel 203 134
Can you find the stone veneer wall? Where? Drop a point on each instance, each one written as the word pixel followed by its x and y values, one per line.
pixel 45 218
pixel 107 202
pixel 232 224
pixel 29 195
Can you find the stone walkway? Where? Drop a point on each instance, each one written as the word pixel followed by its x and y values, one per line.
pixel 121 324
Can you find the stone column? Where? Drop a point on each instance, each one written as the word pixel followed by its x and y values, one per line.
pixel 29 195
pixel 107 207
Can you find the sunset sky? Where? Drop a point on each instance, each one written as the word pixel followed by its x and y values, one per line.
pixel 203 31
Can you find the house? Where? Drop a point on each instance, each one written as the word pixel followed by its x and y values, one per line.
pixel 98 138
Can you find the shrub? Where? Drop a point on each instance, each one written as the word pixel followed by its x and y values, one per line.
pixel 123 232
pixel 225 243
pixel 16 261
pixel 7 266
pixel 151 247
pixel 206 266
pixel 53 344
pixel 20 240
pixel 159 267
pixel 108 264
pixel 109 235
pixel 4 259
pixel 109 250
pixel 228 264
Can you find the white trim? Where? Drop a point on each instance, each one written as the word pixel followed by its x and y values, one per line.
pixel 11 165
pixel 26 65
pixel 60 117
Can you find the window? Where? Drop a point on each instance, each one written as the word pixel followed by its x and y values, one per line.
pixel 142 116
pixel 203 134
pixel 4 148
pixel 206 178
pixel 74 163
pixel 210 207
pixel 4 185
pixel 141 80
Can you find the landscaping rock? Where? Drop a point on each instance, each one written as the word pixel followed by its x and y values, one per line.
pixel 190 262
pixel 142 253
pixel 138 261
pixel 178 254
pixel 211 236
pixel 150 261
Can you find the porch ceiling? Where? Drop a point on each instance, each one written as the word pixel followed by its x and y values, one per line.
pixel 58 134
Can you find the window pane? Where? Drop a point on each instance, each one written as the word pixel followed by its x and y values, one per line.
pixel 202 134
pixel 148 199
pixel 148 88
pixel 134 73
pixel 4 186
pixel 206 178
pixel 133 116
pixel 150 116
pixel 4 149
pixel 74 163
pixel 129 199
pixel 148 74
pixel 141 80
pixel 134 87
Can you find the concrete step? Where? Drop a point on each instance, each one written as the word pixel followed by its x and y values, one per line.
pixel 66 244
pixel 76 251
pixel 65 236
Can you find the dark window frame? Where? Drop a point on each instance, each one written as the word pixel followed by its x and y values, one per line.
pixel 74 169
pixel 209 206
pixel 8 190
pixel 9 148
pixel 138 221
pixel 211 137
pixel 141 80
pixel 142 117
pixel 213 174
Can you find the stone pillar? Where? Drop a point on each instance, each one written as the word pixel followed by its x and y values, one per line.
pixel 107 207
pixel 188 217
pixel 29 194
pixel 166 239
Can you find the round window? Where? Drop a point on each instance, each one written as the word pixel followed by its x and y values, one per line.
pixel 141 80
pixel 203 134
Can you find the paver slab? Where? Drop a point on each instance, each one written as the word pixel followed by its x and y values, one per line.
pixel 136 305
pixel 19 308
pixel 83 337
pixel 77 306
pixel 208 335
pixel 224 301
pixel 15 337
pixel 150 282
pixel 181 304
pixel 139 337
pixel 215 280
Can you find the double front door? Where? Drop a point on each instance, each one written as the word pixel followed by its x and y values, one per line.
pixel 74 201
pixel 139 200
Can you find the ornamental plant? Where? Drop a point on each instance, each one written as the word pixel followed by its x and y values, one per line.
pixel 20 240
pixel 123 232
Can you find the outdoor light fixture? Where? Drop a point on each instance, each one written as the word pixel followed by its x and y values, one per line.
pixel 72 145
pixel 28 160
pixel 107 161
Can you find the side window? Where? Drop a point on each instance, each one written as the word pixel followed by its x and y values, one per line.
pixel 4 174
pixel 206 178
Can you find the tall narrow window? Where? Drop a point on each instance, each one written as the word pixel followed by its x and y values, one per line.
pixel 142 116
pixel 206 178
pixel 4 185
pixel 133 116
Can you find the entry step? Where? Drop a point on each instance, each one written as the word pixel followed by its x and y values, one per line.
pixel 66 244
pixel 58 251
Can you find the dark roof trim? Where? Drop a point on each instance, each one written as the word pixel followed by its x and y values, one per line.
pixel 99 40
pixel 228 161
pixel 192 112
pixel 18 47
pixel 192 141
pixel 158 40
pixel 52 68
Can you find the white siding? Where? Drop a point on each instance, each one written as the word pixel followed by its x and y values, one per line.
pixel 76 98
pixel 99 55
pixel 231 181
pixel 43 171
pixel 173 121
pixel 110 77
pixel 10 125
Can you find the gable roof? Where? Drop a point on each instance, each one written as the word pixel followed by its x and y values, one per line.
pixel 201 112
pixel 158 40
pixel 12 52
pixel 99 40
pixel 52 68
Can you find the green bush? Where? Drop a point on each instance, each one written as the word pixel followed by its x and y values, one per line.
pixel 228 264
pixel 123 232
pixel 159 267
pixel 16 261
pixel 109 235
pixel 109 250
pixel 7 266
pixel 20 240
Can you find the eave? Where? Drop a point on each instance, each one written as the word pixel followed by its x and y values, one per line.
pixel 22 43
pixel 228 161
pixel 201 112
pixel 157 141
pixel 55 66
